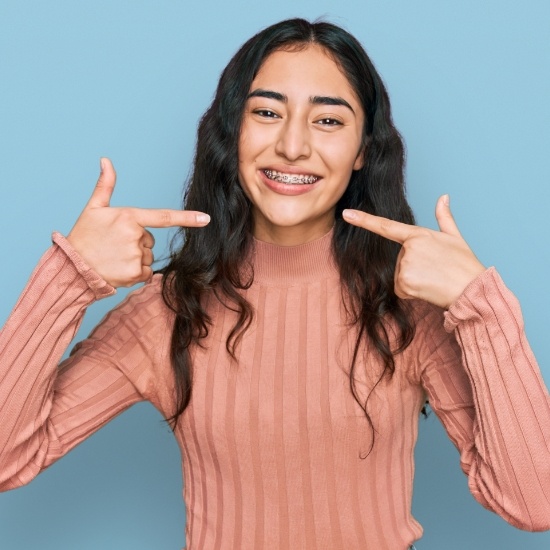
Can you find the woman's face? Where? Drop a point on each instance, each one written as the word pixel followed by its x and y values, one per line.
pixel 300 141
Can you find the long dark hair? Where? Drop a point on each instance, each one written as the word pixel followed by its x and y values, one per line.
pixel 210 259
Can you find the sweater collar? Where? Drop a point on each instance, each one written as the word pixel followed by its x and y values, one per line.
pixel 302 263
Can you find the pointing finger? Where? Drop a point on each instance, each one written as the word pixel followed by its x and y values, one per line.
pixel 444 217
pixel 170 218
pixel 105 185
pixel 390 229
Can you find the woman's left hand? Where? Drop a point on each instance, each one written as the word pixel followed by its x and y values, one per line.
pixel 435 266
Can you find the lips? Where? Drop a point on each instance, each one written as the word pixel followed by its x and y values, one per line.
pixel 291 179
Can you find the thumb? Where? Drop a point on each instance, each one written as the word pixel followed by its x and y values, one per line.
pixel 105 185
pixel 444 217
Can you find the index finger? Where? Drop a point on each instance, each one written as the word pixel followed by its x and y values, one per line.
pixel 390 229
pixel 162 217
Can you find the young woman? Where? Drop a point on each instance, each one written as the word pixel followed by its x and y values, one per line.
pixel 294 336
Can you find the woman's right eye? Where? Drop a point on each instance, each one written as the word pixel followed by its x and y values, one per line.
pixel 266 113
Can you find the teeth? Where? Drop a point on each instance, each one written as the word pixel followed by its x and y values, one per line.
pixel 292 179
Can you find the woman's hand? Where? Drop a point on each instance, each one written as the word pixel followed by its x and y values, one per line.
pixel 435 266
pixel 114 241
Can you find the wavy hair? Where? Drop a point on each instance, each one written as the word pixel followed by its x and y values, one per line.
pixel 209 260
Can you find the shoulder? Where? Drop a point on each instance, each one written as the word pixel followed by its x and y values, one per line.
pixel 147 297
pixel 431 342
pixel 429 321
pixel 142 316
pixel 134 339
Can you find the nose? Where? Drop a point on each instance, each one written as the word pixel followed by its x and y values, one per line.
pixel 293 141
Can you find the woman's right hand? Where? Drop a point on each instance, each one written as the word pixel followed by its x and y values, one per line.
pixel 114 241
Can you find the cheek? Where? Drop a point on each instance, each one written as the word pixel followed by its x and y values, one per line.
pixel 242 178
pixel 341 157
pixel 248 150
pixel 242 147
pixel 245 169
pixel 245 141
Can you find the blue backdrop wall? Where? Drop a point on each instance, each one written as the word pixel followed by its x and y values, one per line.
pixel 470 83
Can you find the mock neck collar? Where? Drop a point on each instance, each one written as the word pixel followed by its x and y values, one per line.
pixel 301 263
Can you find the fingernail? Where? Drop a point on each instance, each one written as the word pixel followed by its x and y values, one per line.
pixel 101 164
pixel 203 218
pixel 446 200
pixel 349 214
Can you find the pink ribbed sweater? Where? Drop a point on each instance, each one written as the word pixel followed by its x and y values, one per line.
pixel 271 444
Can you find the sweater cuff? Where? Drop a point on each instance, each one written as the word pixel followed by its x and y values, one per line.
pixel 95 282
pixel 476 299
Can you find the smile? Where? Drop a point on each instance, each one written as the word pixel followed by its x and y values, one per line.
pixel 291 179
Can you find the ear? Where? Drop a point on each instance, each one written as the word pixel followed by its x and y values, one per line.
pixel 360 159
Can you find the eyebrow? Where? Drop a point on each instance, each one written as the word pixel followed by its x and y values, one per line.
pixel 314 100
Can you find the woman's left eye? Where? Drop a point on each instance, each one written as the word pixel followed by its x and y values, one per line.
pixel 328 122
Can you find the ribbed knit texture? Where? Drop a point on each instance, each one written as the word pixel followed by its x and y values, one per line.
pixel 273 444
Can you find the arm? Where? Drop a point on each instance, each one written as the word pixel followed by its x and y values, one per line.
pixel 46 410
pixel 488 391
pixel 41 326
pixel 491 398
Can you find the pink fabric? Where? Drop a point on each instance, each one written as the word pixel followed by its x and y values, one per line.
pixel 271 444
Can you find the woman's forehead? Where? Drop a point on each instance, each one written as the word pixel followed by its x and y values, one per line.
pixel 302 70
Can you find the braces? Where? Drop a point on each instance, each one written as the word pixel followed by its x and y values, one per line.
pixel 292 179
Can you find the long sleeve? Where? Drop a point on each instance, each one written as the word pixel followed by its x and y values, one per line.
pixel 491 398
pixel 46 408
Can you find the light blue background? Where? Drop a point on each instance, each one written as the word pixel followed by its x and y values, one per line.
pixel 470 84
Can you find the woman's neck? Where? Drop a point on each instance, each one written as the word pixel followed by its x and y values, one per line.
pixel 298 264
pixel 292 235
